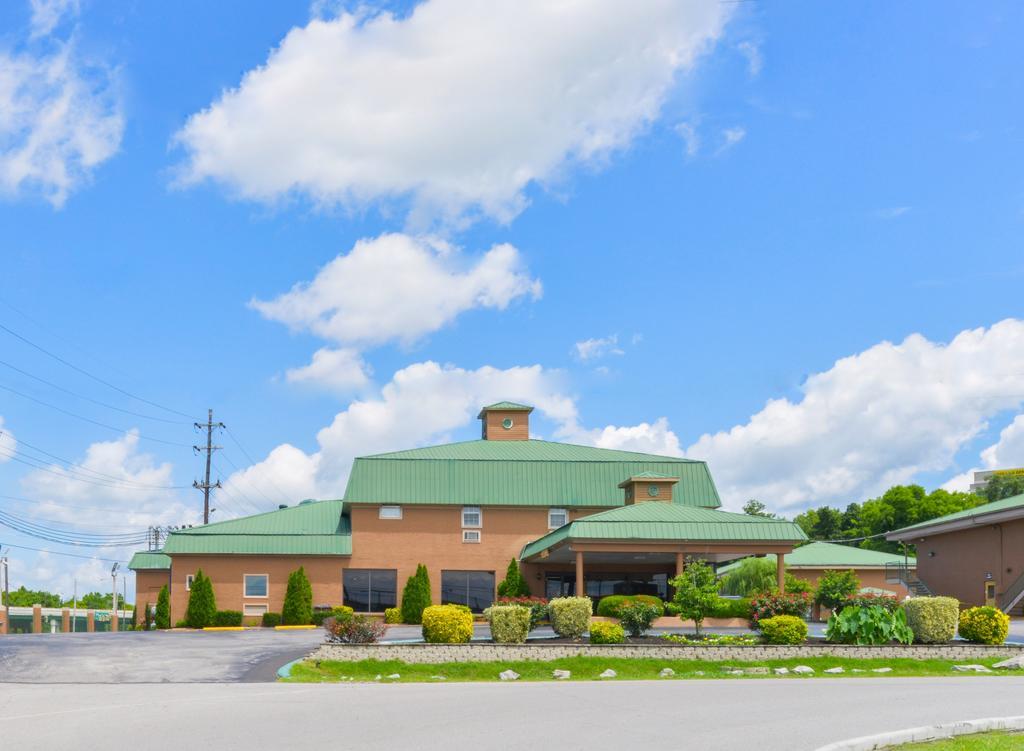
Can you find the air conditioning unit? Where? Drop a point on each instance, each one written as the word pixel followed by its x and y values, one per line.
pixel 471 535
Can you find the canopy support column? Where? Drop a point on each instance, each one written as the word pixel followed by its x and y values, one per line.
pixel 581 590
pixel 680 564
pixel 780 571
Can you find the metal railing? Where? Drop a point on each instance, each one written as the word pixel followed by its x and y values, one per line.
pixel 1013 595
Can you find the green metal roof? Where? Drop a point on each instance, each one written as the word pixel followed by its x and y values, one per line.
pixel 316 528
pixel 830 555
pixel 1006 504
pixel 518 473
pixel 506 407
pixel 150 560
pixel 669 521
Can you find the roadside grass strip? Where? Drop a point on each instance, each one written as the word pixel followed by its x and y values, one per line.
pixel 591 668
pixel 998 741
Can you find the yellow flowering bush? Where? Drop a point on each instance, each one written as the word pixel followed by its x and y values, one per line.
pixel 784 629
pixel 606 632
pixel 392 615
pixel 984 625
pixel 447 624
pixel 570 616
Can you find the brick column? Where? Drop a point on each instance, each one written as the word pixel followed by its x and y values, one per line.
pixel 680 564
pixel 3 620
pixel 581 589
pixel 65 620
pixel 90 621
pixel 780 571
pixel 114 621
pixel 37 619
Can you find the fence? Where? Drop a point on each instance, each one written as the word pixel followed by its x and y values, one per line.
pixel 38 620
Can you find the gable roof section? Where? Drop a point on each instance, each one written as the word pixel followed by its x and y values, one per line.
pixel 652 521
pixel 1007 509
pixel 150 560
pixel 310 528
pixel 830 555
pixel 504 407
pixel 518 473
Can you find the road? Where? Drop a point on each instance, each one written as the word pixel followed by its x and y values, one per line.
pixel 152 657
pixel 783 715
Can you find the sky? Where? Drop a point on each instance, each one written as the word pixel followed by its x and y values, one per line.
pixel 783 238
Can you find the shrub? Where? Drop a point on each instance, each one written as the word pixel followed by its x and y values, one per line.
pixel 798 585
pixel 771 604
pixel 784 629
pixel 868 625
pixel 163 608
pixel 932 619
pixel 609 607
pixel 606 632
pixel 447 624
pixel 416 596
pixel 140 618
pixel 865 599
pixel 538 607
pixel 227 618
pixel 180 624
pixel 298 600
pixel 513 585
pixel 392 615
pixel 570 616
pixel 984 625
pixel 637 616
pixel 271 619
pixel 696 591
pixel 202 605
pixel 731 608
pixel 835 587
pixel 359 629
pixel 510 624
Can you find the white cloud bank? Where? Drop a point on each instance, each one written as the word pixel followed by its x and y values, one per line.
pixel 459 106
pixel 596 348
pixel 59 117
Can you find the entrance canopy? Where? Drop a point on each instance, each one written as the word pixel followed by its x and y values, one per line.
pixel 665 528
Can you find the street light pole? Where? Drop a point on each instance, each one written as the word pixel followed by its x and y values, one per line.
pixel 7 594
pixel 113 592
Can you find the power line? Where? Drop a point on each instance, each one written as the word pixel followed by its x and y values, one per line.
pixel 252 484
pixel 254 463
pixel 96 378
pixel 31 461
pixel 89 420
pixel 69 555
pixel 36 501
pixel 29 524
pixel 205 486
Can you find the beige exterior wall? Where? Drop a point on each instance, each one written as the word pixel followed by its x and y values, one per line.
pixel 148 585
pixel 869 577
pixel 957 563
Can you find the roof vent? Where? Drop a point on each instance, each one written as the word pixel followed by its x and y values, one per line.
pixel 308 500
pixel 282 505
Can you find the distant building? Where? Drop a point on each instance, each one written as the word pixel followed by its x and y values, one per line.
pixel 981 478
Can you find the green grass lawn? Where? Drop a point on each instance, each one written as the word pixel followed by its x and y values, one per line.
pixel 979 742
pixel 589 668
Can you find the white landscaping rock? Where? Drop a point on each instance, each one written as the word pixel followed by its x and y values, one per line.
pixel 881 670
pixel 561 675
pixel 698 672
pixel 393 677
pixel 736 672
pixel 378 678
pixel 781 671
pixel 609 673
pixel 971 669
pixel 803 670
pixel 1014 663
pixel 835 671
pixel 508 675
pixel 666 673
pixel 755 671
pixel 438 678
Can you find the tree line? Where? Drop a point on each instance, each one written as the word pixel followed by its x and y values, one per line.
pixel 26 598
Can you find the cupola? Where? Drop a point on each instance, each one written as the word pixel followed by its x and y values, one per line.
pixel 648 486
pixel 505 421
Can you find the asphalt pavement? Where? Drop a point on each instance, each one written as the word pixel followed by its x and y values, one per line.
pixel 769 715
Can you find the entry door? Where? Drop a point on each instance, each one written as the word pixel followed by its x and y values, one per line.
pixel 990 594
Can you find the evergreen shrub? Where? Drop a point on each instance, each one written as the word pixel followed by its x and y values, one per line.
pixel 510 624
pixel 513 585
pixel 202 605
pixel 163 608
pixel 570 616
pixel 416 596
pixel 784 629
pixel 932 619
pixel 270 620
pixel 638 616
pixel 227 618
pixel 298 600
pixel 609 607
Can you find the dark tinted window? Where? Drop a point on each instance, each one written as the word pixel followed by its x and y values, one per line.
pixel 473 588
pixel 370 590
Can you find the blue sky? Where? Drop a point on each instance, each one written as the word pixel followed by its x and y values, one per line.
pixel 738 205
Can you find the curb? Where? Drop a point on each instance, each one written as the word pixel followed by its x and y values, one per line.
pixel 925 733
pixel 294 628
pixel 285 671
pixel 223 628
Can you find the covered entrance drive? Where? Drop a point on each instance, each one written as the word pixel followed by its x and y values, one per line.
pixel 638 548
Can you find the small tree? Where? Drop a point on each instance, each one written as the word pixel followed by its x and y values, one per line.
pixel 298 600
pixel 416 596
pixel 756 508
pixel 202 604
pixel 835 587
pixel 751 575
pixel 163 608
pixel 141 617
pixel 696 591
pixel 514 585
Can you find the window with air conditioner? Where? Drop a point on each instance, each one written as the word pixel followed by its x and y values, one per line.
pixel 471 535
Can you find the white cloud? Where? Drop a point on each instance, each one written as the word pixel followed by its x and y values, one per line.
pixel 648 438
pixel 752 52
pixel 59 119
pixel 1005 453
pixel 341 370
pixel 874 419
pixel 422 404
pixel 691 139
pixel 731 137
pixel 46 14
pixel 458 106
pixel 8 443
pixel 893 212
pixel 593 349
pixel 397 287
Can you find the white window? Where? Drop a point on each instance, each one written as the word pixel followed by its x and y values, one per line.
pixel 471 516
pixel 471 535
pixel 253 608
pixel 557 517
pixel 390 512
pixel 189 578
pixel 256 585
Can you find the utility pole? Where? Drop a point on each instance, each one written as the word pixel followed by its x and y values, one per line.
pixel 205 486
pixel 113 592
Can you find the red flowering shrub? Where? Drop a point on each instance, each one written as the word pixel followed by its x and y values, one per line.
pixel 866 599
pixel 771 604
